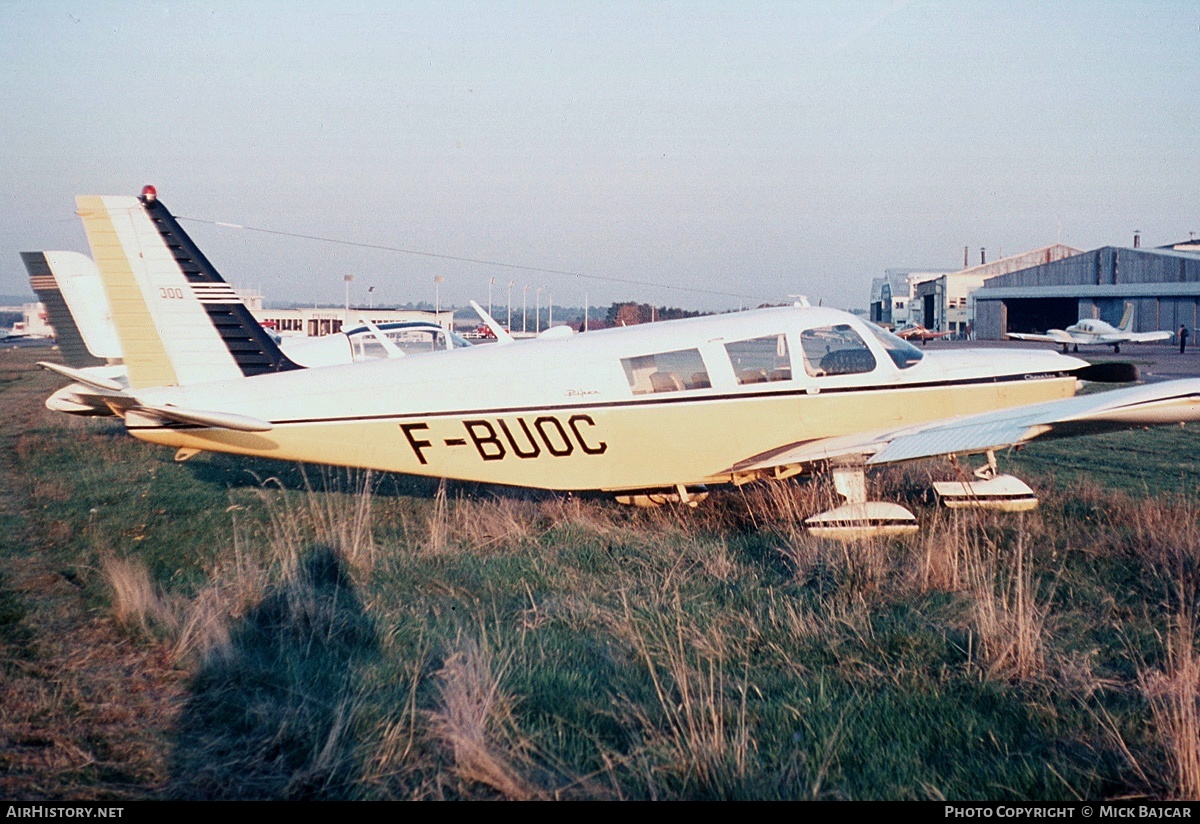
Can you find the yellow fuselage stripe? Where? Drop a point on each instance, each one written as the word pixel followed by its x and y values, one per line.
pixel 631 446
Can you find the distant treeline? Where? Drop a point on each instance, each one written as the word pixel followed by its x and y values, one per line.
pixel 631 314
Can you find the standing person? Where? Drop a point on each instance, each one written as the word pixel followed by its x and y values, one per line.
pixel 1183 336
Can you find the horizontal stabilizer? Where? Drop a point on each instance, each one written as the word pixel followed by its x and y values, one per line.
pixel 82 376
pixel 153 417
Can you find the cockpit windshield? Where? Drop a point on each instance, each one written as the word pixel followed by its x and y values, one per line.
pixel 902 353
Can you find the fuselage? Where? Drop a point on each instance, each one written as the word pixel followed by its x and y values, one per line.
pixel 679 402
pixel 1096 332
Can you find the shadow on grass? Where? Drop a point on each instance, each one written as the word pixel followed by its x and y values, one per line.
pixel 274 716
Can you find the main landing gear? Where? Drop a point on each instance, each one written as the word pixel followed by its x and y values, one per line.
pixel 991 491
pixel 860 518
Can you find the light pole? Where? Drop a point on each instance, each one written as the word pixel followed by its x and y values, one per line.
pixel 524 301
pixel 537 313
pixel 550 306
pixel 491 283
pixel 585 310
pixel 346 317
pixel 510 286
pixel 437 297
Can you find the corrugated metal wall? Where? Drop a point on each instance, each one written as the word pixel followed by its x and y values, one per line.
pixel 1109 266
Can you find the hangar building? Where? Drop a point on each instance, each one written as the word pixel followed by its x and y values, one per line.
pixel 942 303
pixel 1163 284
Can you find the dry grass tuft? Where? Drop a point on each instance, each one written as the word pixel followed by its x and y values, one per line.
pixel 232 592
pixel 494 522
pixel 1010 615
pixel 137 602
pixel 1174 696
pixel 337 514
pixel 1165 534
pixel 204 636
pixel 438 541
pixel 782 506
pixel 475 721
pixel 704 730
pixel 393 752
pixel 942 542
pixel 588 517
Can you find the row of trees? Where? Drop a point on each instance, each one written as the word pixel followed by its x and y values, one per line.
pixel 631 314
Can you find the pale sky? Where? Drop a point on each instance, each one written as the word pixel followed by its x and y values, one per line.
pixel 757 149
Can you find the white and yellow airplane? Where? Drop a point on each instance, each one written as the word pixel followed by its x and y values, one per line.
pixel 652 413
pixel 1095 332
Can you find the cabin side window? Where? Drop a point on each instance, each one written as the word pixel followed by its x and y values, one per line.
pixel 835 350
pixel 416 341
pixel 666 372
pixel 760 360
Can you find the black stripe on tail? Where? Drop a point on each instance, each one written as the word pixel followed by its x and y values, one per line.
pixel 251 346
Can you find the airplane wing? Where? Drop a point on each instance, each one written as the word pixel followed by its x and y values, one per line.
pixel 1138 406
pixel 1051 336
pixel 1148 337
pixel 92 379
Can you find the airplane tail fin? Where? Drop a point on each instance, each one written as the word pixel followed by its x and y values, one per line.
pixel 178 321
pixel 68 285
pixel 499 332
pixel 1126 324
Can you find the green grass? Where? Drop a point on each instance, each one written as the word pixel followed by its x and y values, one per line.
pixel 1151 462
pixel 305 641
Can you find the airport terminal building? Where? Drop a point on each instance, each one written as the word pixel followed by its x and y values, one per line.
pixel 1162 283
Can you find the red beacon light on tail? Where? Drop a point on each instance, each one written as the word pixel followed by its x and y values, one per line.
pixel 149 193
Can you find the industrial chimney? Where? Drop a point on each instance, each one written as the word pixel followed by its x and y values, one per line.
pixel 1137 238
pixel 982 255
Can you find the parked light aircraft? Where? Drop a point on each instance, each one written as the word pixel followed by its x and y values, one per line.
pixel 1095 332
pixel 920 333
pixel 653 412
pixel 69 286
pixel 369 340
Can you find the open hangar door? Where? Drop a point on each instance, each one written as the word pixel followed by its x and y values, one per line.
pixel 1040 314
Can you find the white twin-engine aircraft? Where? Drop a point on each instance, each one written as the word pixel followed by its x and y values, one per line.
pixel 1095 332
pixel 651 413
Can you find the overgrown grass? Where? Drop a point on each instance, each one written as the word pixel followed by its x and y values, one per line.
pixel 333 634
